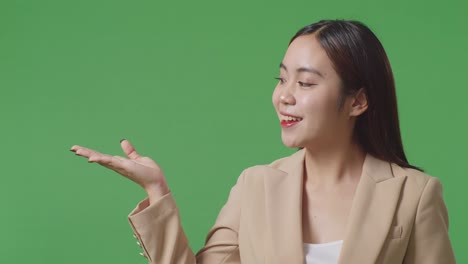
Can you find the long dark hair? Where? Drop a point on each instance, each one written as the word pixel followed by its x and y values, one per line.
pixel 361 62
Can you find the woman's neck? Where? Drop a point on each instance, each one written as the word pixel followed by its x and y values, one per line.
pixel 331 166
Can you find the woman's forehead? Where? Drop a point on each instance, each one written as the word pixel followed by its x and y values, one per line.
pixel 305 52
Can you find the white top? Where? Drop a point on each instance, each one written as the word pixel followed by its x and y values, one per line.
pixel 326 253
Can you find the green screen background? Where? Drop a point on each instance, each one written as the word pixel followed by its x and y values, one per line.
pixel 189 83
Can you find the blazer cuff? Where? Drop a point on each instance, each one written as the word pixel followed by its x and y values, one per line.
pixel 145 214
pixel 146 217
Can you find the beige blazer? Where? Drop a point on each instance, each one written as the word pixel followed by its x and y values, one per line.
pixel 397 216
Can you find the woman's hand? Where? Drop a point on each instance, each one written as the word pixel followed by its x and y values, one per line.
pixel 142 170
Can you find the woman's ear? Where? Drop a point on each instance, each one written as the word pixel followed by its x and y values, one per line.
pixel 359 103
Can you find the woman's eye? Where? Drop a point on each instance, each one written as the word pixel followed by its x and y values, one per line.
pixel 303 84
pixel 281 80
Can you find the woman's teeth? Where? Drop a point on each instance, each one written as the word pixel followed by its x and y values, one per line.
pixel 289 118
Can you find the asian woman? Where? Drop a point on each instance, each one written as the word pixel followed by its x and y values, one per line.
pixel 348 195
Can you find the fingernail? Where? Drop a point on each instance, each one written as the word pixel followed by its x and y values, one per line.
pixel 122 140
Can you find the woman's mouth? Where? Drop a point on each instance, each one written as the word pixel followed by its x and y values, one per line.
pixel 289 121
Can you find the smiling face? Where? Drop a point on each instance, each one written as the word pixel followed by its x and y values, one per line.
pixel 307 97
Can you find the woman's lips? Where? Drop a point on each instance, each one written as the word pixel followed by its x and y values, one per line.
pixel 288 123
pixel 288 120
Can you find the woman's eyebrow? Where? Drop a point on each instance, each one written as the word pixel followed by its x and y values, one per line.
pixel 303 69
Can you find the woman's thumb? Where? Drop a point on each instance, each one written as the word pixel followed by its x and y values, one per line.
pixel 128 149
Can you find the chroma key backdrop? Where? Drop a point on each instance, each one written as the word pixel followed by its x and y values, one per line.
pixel 190 84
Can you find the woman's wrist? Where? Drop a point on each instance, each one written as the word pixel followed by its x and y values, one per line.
pixel 156 192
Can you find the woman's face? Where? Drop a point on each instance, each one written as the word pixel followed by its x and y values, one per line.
pixel 307 97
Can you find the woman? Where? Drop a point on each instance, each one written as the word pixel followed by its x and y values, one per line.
pixel 348 195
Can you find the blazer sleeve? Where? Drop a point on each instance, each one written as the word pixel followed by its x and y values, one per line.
pixel 163 241
pixel 429 242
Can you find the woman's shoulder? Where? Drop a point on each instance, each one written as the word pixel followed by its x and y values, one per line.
pixel 415 179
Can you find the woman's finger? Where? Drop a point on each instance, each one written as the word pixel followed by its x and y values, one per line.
pixel 116 163
pixel 82 151
pixel 105 159
pixel 129 150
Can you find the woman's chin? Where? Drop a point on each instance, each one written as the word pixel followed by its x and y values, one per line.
pixel 291 144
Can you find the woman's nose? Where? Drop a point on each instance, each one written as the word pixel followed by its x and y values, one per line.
pixel 287 98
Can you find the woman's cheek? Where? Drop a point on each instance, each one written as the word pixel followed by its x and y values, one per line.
pixel 307 103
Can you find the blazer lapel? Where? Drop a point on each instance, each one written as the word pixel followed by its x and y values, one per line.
pixel 283 203
pixel 369 222
pixel 372 211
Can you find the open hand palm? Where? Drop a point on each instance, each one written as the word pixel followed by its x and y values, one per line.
pixel 142 170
